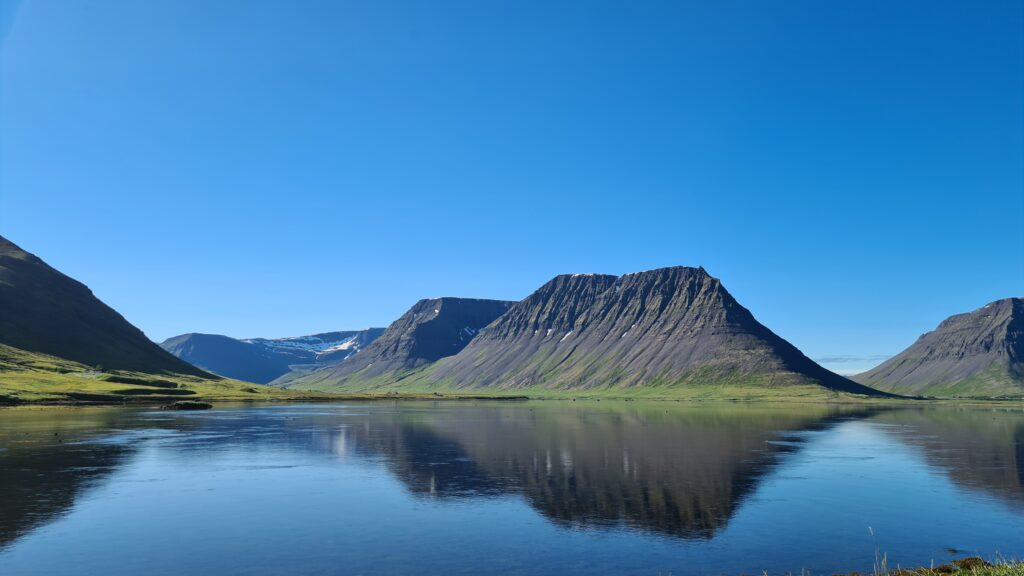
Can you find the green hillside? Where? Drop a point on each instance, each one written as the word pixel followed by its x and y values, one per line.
pixel 34 377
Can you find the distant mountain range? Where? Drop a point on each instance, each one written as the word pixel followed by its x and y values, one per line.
pixel 667 330
pixel 977 354
pixel 264 359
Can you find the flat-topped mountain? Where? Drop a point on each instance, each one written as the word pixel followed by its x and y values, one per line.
pixel 979 354
pixel 669 329
pixel 264 359
pixel 45 312
pixel 432 329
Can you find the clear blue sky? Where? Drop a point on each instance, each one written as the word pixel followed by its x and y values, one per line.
pixel 852 170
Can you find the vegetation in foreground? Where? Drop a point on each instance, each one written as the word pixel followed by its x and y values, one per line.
pixel 972 566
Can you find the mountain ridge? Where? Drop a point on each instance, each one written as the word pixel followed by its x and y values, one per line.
pixel 978 353
pixel 262 360
pixel 431 329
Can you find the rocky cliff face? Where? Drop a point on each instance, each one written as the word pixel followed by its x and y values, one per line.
pixel 44 311
pixel 980 353
pixel 262 360
pixel 667 327
pixel 432 329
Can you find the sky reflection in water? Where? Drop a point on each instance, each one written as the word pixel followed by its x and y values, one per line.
pixel 548 487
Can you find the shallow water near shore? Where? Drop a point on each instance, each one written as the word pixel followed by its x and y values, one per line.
pixel 506 487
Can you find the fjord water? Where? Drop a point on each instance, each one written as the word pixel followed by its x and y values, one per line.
pixel 506 487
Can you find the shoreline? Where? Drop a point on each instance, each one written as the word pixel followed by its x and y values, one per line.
pixel 969 566
pixel 100 401
pixel 159 402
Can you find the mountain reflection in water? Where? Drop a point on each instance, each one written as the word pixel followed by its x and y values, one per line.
pixel 981 450
pixel 676 472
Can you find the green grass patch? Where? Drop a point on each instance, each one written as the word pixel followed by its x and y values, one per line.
pixel 30 378
pixel 699 387
pixel 973 566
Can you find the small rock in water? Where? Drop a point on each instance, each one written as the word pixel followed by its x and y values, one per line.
pixel 188 405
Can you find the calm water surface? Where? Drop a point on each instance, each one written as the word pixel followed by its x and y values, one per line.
pixel 531 488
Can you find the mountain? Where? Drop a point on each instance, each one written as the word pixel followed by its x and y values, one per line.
pixel 60 344
pixel 978 354
pixel 45 312
pixel 667 327
pixel 672 329
pixel 326 347
pixel 264 359
pixel 432 329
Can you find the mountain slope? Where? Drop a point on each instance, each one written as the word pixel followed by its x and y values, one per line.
pixel 667 327
pixel 673 330
pixel 60 344
pixel 263 359
pixel 432 329
pixel 46 312
pixel 979 354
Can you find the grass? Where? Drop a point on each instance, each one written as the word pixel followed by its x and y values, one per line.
pixel 699 388
pixel 995 382
pixel 972 566
pixel 28 377
pixel 33 378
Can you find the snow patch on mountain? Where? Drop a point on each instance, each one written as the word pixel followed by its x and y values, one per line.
pixel 316 343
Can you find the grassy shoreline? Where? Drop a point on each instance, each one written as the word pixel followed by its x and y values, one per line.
pixel 971 566
pixel 98 401
pixel 28 378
